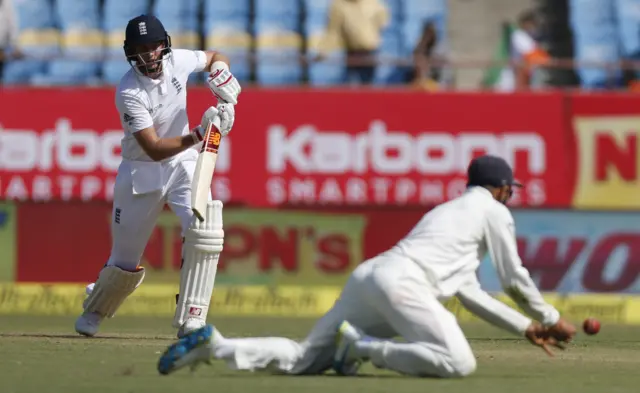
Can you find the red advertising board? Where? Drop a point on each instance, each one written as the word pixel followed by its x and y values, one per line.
pixel 302 147
pixel 562 249
pixel 261 245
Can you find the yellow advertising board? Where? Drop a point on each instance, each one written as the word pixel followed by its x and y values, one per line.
pixel 284 301
pixel 607 162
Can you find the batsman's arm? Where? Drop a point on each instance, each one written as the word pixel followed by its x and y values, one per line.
pixel 213 57
pixel 136 120
pixel 160 148
pixel 483 305
pixel 515 279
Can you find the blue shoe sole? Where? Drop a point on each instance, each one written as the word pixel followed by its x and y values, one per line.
pixel 176 351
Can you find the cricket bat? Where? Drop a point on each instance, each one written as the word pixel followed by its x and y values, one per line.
pixel 205 166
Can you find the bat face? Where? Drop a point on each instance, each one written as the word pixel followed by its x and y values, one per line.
pixel 205 166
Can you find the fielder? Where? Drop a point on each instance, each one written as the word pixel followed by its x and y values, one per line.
pixel 158 162
pixel 400 293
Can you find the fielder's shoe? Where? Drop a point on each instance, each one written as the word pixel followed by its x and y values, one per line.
pixel 345 360
pixel 88 323
pixel 190 325
pixel 191 350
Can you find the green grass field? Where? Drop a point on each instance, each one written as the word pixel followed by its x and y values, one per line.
pixel 42 354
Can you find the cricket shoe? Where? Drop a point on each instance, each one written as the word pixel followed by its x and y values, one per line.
pixel 88 323
pixel 194 348
pixel 346 361
pixel 190 325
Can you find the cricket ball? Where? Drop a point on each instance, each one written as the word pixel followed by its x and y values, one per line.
pixel 591 326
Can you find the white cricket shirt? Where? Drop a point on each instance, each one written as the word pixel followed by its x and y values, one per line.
pixel 143 102
pixel 450 241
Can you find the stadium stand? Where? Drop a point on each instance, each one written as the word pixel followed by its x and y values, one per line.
pixel 227 27
pixel 595 40
pixel 39 39
pixel 278 42
pixel 628 18
pixel 81 44
pixel 329 71
pixel 391 47
pixel 80 41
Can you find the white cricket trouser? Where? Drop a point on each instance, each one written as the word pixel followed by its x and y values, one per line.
pixel 385 297
pixel 134 215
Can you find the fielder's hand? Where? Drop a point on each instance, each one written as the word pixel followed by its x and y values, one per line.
pixel 554 336
pixel 562 331
pixel 227 115
pixel 223 84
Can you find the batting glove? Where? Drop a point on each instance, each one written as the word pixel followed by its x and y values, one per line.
pixel 223 84
pixel 209 116
pixel 227 114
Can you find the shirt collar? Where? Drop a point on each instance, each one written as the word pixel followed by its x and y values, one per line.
pixel 161 83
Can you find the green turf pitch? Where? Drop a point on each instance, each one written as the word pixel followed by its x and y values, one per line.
pixel 42 354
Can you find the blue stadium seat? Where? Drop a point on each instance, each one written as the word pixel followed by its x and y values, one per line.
pixel 328 72
pixel 395 8
pixel 233 15
pixel 180 18
pixel 416 10
pixel 595 40
pixel 38 38
pixel 114 70
pixel 277 15
pixel 628 15
pixel 19 72
pixel 316 15
pixel 390 51
pixel 118 12
pixel 236 44
pixel 278 67
pixel 78 14
pixel 65 71
pixel 278 42
pixel 35 14
pixel 278 57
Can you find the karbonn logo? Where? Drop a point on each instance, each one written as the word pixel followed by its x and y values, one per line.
pixel 309 150
pixel 70 150
pixel 63 148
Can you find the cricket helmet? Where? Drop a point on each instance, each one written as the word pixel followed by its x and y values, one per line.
pixel 146 45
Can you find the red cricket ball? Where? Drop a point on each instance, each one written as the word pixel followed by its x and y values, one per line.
pixel 591 326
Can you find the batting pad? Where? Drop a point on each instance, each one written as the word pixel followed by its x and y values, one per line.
pixel 113 286
pixel 202 247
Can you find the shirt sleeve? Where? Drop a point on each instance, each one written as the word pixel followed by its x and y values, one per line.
pixel 490 309
pixel 501 243
pixel 190 60
pixel 133 114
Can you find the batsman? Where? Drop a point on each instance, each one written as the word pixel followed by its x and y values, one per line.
pixel 159 156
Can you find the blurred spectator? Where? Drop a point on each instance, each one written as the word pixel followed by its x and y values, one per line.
pixel 358 25
pixel 524 53
pixel 430 48
pixel 8 33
